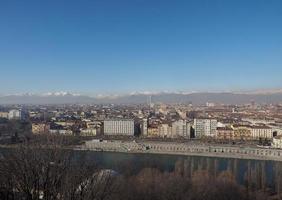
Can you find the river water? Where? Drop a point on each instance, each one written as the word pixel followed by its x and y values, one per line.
pixel 263 173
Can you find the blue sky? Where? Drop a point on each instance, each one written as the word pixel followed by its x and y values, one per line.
pixel 110 46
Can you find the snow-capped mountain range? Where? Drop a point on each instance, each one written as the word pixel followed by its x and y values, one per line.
pixel 62 97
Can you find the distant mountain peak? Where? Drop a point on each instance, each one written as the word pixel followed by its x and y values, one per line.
pixel 197 98
pixel 61 93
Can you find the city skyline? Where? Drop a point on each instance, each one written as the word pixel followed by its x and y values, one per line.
pixel 111 47
pixel 141 99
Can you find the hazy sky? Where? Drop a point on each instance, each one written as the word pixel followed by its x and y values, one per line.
pixel 113 46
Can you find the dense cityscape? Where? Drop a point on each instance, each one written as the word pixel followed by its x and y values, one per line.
pixel 218 123
pixel 249 132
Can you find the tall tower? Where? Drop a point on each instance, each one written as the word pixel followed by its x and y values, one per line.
pixel 144 127
pixel 149 100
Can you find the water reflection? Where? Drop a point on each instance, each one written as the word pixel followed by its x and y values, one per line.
pixel 254 174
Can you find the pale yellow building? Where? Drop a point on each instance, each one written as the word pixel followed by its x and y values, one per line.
pixel 164 130
pixel 4 115
pixel 39 128
pixel 242 132
pixel 88 132
pixel 225 133
pixel 153 132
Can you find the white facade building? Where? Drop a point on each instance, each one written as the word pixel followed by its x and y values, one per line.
pixel 179 129
pixel 205 127
pixel 164 130
pixel 15 114
pixel 277 142
pixel 209 104
pixel 119 127
pixel 276 130
pixel 261 132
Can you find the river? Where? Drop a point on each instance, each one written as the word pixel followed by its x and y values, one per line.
pixel 262 173
pixel 265 172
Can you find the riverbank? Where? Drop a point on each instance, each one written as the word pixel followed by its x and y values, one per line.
pixel 247 152
pixel 173 148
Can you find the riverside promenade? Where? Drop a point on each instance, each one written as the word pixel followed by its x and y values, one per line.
pixel 185 148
